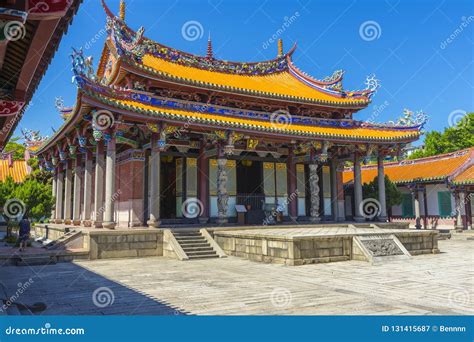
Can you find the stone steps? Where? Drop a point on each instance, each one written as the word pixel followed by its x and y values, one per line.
pixel 31 260
pixel 63 240
pixel 194 245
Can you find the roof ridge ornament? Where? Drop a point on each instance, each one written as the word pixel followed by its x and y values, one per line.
pixel 210 54
pixel 410 119
pixel 280 48
pixel 122 10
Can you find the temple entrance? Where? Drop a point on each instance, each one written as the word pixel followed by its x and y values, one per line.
pixel 168 187
pixel 250 184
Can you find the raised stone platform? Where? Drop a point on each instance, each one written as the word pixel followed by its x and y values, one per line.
pixel 304 245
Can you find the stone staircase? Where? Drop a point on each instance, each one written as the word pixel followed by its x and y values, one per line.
pixel 63 240
pixel 194 244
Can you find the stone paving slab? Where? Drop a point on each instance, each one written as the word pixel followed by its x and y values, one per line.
pixel 425 285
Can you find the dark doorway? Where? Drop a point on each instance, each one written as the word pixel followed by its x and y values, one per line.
pixel 168 187
pixel 250 183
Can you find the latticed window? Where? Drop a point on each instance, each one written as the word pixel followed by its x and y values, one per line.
pixel 444 204
pixel 407 205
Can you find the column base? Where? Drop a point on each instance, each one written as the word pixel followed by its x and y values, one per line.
pixel 153 223
pixel 76 222
pixel 315 219
pixel 359 219
pixel 203 220
pixel 459 229
pixel 67 221
pixel 87 223
pixel 109 225
pixel 58 221
pixel 222 220
pixel 293 218
pixel 97 224
pixel 383 218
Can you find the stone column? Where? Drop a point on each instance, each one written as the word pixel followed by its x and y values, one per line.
pixel 381 184
pixel 222 195
pixel 358 189
pixel 154 220
pixel 314 193
pixel 292 193
pixel 458 200
pixel 417 209
pixel 99 185
pixel 55 180
pixel 109 184
pixel 76 208
pixel 68 193
pixel 59 196
pixel 203 175
pixel 334 203
pixel 86 217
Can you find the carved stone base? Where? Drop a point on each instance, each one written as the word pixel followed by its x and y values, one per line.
pixel 87 223
pixel 222 220
pixel 203 220
pixel 97 224
pixel 315 219
pixel 58 221
pixel 109 225
pixel 153 223
pixel 76 222
pixel 359 219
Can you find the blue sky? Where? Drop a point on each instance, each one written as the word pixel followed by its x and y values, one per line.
pixel 421 51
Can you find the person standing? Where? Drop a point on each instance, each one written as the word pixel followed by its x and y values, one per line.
pixel 24 233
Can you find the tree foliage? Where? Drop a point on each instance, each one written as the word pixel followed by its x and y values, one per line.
pixel 452 139
pixel 14 146
pixel 392 194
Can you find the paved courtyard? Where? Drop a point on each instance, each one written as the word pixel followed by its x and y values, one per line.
pixel 426 284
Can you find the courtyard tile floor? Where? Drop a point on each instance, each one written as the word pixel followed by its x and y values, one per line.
pixel 427 284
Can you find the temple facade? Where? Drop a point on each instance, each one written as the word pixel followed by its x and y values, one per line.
pixel 158 135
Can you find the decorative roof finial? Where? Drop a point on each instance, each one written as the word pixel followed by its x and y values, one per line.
pixel 122 10
pixel 209 47
pixel 280 47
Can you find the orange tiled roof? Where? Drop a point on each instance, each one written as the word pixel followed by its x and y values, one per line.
pixel 18 171
pixel 466 176
pixel 282 83
pixel 424 169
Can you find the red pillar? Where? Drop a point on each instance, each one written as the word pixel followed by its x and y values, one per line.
pixel 203 183
pixel 292 196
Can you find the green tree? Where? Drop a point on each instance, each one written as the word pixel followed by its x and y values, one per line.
pixel 393 196
pixel 15 147
pixel 452 139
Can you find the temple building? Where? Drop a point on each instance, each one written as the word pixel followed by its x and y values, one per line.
pixel 437 191
pixel 158 136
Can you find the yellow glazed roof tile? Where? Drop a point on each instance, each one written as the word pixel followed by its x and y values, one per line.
pixel 18 171
pixel 282 83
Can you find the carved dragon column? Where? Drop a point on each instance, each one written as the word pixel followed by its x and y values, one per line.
pixel 222 195
pixel 314 192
